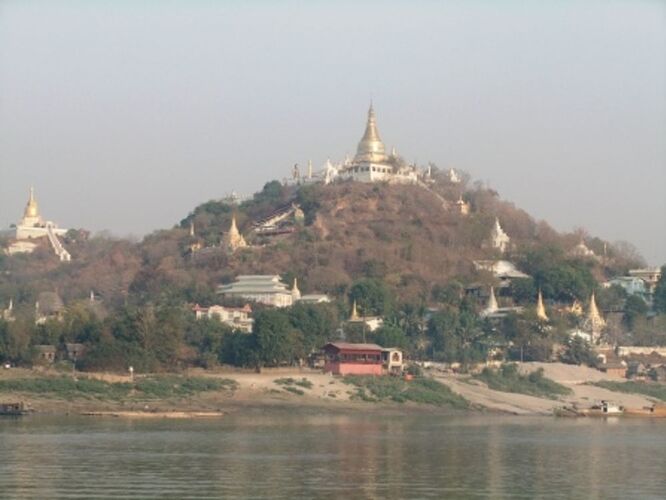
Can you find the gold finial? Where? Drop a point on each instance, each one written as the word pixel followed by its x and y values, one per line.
pixel 32 208
pixel 354 312
pixel 541 309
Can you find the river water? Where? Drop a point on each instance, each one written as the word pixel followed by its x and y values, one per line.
pixel 291 455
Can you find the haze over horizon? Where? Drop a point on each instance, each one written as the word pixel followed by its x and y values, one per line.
pixel 125 116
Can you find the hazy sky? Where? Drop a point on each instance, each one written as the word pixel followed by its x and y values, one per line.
pixel 126 114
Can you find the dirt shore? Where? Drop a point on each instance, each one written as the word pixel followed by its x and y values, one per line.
pixel 256 392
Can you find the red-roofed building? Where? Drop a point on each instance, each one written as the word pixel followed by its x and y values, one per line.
pixel 342 358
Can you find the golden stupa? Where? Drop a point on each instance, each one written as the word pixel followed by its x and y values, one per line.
pixel 31 208
pixel 370 148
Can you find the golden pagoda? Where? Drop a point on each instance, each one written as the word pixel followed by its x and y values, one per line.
pixel 234 240
pixel 594 322
pixel 370 148
pixel 31 215
pixel 576 309
pixel 354 313
pixel 540 308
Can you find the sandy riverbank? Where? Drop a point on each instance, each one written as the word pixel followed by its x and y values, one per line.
pixel 574 377
pixel 255 392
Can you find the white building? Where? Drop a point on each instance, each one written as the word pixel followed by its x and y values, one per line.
pixel 265 289
pixel 649 275
pixel 503 270
pixel 632 285
pixel 582 250
pixel 498 238
pixel 315 298
pixel 237 318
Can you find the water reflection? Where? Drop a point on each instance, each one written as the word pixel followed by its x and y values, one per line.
pixel 289 455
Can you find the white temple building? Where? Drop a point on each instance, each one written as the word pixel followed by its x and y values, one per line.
pixel 32 226
pixel 582 250
pixel 265 289
pixel 498 238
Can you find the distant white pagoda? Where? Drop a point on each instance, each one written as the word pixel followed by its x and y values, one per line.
pixel 233 240
pixel 593 322
pixel 498 238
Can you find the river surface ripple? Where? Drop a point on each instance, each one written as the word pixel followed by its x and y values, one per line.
pixel 292 455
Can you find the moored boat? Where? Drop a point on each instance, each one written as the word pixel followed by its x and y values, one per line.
pixel 654 411
pixel 13 409
pixel 603 409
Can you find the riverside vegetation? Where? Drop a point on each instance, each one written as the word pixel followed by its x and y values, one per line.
pixel 651 389
pixel 419 390
pixel 507 378
pixel 144 388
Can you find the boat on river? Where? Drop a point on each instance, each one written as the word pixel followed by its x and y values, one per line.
pixel 654 411
pixel 14 409
pixel 610 409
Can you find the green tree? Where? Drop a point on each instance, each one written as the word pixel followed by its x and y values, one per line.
pixel 206 337
pixel 660 292
pixel 317 322
pixel 523 290
pixel 371 297
pixel 452 293
pixel 611 298
pixel 635 309
pixel 277 341
pixel 390 336
pixel 578 352
pixel 456 336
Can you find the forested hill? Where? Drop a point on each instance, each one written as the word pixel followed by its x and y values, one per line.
pixel 400 235
pixel 400 252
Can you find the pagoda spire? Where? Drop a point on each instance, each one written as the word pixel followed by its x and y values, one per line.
pixel 594 322
pixel 31 208
pixel 295 292
pixel 492 305
pixel 593 313
pixel 540 308
pixel 370 148
pixel 354 312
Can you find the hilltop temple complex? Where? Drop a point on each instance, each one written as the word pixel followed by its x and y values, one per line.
pixel 31 227
pixel 370 164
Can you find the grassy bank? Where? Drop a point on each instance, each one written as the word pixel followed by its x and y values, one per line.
pixel 650 389
pixel 419 390
pixel 509 379
pixel 154 387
